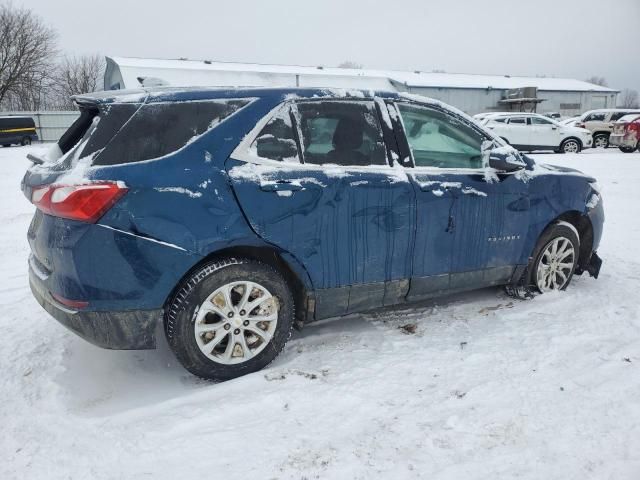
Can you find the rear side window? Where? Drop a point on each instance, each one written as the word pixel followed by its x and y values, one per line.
pixel 517 121
pixel 343 133
pixel 618 115
pixel 158 129
pixel 8 123
pixel 276 141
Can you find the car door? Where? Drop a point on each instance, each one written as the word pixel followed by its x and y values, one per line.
pixel 314 180
pixel 471 221
pixel 519 132
pixel 545 133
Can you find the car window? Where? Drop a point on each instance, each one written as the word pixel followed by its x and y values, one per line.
pixel 344 133
pixel 438 139
pixel 540 121
pixel 276 141
pixel 618 115
pixel 517 121
pixel 158 129
pixel 595 117
pixel 500 120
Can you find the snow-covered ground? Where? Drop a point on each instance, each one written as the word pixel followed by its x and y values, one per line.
pixel 485 387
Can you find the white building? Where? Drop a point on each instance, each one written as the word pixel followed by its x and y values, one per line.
pixel 468 92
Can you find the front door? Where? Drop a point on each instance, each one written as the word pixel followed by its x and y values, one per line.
pixel 315 182
pixel 471 221
pixel 545 133
pixel 518 132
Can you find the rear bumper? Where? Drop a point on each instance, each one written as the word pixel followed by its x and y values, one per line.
pixel 623 140
pixel 125 330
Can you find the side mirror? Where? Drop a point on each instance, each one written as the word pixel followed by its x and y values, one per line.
pixel 505 162
pixel 269 146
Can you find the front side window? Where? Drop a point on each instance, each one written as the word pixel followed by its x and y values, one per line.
pixel 343 133
pixel 158 129
pixel 440 140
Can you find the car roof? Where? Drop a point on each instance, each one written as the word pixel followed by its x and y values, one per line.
pixel 174 94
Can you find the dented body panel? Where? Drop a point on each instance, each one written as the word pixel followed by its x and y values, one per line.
pixel 355 238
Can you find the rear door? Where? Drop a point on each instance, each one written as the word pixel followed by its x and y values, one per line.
pixel 314 180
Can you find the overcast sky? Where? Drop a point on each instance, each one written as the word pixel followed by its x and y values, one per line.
pixel 562 38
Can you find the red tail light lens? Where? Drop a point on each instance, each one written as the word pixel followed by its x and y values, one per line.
pixel 580 124
pixel 85 203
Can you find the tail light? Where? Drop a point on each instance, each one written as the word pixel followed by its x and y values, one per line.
pixel 580 124
pixel 85 203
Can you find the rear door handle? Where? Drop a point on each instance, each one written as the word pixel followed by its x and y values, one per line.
pixel 280 186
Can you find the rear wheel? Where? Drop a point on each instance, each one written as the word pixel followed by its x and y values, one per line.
pixel 629 149
pixel 600 140
pixel 26 141
pixel 570 145
pixel 6 144
pixel 230 318
pixel 554 258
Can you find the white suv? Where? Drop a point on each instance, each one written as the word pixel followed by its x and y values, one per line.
pixel 530 131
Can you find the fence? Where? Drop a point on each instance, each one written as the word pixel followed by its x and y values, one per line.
pixel 50 125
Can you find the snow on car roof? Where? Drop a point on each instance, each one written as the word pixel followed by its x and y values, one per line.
pixel 202 73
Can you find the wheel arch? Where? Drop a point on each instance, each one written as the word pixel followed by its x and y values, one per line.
pixel 564 140
pixel 288 266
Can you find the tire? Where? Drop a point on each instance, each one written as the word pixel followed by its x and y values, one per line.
pixel 250 351
pixel 600 140
pixel 26 141
pixel 570 145
pixel 628 149
pixel 6 145
pixel 565 237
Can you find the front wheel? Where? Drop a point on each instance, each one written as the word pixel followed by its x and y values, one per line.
pixel 555 258
pixel 26 141
pixel 570 146
pixel 230 318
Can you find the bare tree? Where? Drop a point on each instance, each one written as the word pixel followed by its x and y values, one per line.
pixel 598 81
pixel 76 75
pixel 629 98
pixel 27 49
pixel 350 64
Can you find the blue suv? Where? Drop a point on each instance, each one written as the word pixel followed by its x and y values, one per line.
pixel 234 214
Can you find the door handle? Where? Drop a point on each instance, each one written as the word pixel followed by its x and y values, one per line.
pixel 280 186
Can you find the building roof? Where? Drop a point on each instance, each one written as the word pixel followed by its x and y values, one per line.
pixel 205 73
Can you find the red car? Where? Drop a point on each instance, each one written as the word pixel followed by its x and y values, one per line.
pixel 626 133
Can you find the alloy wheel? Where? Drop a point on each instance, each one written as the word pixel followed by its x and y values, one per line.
pixel 555 265
pixel 571 146
pixel 600 141
pixel 236 322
